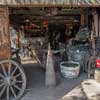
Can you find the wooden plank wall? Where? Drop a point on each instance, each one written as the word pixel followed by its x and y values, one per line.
pixel 4 34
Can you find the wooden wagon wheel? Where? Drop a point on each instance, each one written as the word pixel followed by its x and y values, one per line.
pixel 12 80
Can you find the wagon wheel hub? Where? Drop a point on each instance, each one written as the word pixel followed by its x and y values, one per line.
pixel 9 80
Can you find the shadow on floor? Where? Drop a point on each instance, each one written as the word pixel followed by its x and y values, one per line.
pixel 36 89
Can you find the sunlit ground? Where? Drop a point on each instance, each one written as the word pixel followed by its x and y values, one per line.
pixel 87 90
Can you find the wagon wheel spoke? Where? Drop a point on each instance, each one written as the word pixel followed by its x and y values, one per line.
pixel 8 92
pixel 1 80
pixel 19 74
pixel 4 70
pixel 13 92
pixel 9 69
pixel 18 88
pixel 19 81
pixel 1 76
pixel 2 84
pixel 2 91
pixel 14 71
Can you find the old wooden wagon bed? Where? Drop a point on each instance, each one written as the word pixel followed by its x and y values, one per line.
pixel 12 76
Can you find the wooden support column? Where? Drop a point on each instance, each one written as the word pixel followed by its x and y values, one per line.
pixel 84 19
pixel 99 25
pixel 4 33
pixel 96 24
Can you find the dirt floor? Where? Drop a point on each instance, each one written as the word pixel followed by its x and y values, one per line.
pixel 36 89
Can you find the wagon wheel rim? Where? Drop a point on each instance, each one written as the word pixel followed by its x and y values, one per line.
pixel 12 80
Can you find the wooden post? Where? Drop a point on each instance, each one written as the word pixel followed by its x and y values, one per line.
pixel 50 79
pixel 84 19
pixel 97 75
pixel 99 25
pixel 96 23
pixel 4 34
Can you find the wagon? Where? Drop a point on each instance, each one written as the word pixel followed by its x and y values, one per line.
pixel 12 75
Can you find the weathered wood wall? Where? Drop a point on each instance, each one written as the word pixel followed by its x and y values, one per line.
pixel 4 34
pixel 76 2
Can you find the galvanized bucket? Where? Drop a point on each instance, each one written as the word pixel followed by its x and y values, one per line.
pixel 70 69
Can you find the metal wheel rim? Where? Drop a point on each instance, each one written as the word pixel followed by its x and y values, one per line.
pixel 9 80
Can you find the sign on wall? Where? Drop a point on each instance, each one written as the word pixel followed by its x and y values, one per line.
pixel 77 2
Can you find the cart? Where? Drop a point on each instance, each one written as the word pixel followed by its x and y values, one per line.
pixel 12 75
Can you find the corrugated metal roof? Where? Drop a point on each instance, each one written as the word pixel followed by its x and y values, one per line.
pixel 74 2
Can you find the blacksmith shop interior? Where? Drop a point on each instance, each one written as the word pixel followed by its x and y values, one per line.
pixel 56 23
pixel 61 27
pixel 51 40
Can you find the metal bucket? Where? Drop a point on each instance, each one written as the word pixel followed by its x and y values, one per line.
pixel 70 69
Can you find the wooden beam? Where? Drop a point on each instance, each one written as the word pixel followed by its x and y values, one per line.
pixel 55 5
